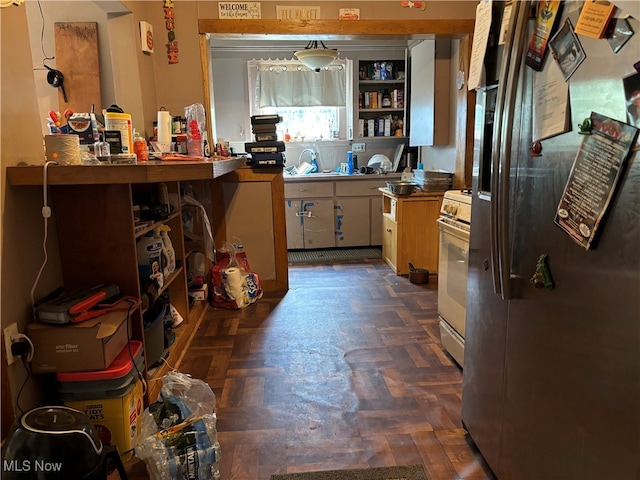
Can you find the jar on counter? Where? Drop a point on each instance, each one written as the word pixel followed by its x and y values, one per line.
pixel 140 148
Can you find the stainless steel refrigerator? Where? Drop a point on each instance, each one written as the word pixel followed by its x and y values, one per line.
pixel 551 381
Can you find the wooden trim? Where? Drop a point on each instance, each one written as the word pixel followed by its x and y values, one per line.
pixel 207 87
pixel 330 29
pixel 465 121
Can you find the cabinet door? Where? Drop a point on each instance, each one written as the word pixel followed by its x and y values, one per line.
pixel 418 237
pixel 318 222
pixel 352 222
pixel 295 224
pixel 390 242
pixel 376 220
pixel 429 106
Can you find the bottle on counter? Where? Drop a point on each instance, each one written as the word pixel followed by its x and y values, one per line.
pixel 140 147
pixel 350 162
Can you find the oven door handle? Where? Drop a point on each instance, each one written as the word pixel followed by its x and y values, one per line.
pixel 452 229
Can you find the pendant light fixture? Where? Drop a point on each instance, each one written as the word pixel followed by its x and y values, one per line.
pixel 316 58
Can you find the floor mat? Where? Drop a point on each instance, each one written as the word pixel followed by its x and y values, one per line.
pixel 408 472
pixel 333 254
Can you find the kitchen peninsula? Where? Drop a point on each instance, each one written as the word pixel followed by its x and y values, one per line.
pixel 93 209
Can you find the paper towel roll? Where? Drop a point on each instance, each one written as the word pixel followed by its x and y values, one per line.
pixel 233 282
pixel 164 126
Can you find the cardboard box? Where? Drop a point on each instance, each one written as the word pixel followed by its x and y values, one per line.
pixel 199 294
pixel 116 419
pixel 75 347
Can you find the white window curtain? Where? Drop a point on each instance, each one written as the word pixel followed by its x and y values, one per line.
pixel 286 83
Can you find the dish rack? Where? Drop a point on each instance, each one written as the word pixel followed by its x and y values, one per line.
pixel 433 180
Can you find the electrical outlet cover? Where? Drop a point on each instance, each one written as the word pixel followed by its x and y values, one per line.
pixel 8 332
pixel 358 147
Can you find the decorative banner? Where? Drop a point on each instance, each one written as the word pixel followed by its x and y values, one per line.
pixel 169 20
pixel 146 37
pixel 290 12
pixel 239 10
pixel 349 14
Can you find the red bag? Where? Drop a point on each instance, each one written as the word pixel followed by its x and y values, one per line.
pixel 233 284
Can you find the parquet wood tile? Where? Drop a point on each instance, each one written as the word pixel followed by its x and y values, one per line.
pixel 344 371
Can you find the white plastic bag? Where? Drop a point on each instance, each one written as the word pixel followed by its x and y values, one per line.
pixel 178 437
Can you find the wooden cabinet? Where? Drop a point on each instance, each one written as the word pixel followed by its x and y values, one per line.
pixel 381 98
pixel 410 232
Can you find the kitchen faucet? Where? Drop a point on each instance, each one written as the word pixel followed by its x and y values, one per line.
pixel 312 152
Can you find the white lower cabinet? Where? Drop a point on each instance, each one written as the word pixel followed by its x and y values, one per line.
pixel 334 213
pixel 310 223
pixel 353 221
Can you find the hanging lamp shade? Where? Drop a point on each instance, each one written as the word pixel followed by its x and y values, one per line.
pixel 316 58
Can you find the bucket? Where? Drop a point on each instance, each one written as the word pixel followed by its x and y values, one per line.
pixel 418 275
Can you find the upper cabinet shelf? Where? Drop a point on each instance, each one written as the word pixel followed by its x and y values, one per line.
pixel 381 98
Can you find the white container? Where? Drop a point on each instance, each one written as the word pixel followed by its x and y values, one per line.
pixel 121 122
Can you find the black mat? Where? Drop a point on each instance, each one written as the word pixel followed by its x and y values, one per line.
pixel 333 255
pixel 407 472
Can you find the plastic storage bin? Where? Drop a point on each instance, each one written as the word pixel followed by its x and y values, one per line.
pixel 112 398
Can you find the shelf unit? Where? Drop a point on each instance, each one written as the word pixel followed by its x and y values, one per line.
pixel 93 209
pixel 381 98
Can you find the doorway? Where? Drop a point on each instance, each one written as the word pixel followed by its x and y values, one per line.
pixel 386 30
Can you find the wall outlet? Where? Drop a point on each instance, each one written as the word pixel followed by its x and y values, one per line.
pixel 8 332
pixel 358 147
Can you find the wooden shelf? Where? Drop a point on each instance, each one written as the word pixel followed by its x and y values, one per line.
pixel 382 82
pixel 150 227
pixel 379 110
pixel 152 171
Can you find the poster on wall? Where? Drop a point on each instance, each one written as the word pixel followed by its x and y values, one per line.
pixel 593 179
pixel 146 37
pixel 239 10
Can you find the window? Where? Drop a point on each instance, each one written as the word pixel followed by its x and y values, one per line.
pixel 313 105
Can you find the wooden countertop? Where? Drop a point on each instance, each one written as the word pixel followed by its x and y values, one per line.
pixel 148 172
pixel 415 194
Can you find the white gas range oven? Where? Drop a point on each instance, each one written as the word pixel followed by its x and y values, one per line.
pixel 453 262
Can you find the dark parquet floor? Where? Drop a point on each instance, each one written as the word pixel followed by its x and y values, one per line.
pixel 345 371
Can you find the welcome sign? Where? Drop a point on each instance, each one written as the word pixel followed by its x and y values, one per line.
pixel 239 10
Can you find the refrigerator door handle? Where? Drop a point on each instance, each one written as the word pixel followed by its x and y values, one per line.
pixel 496 153
pixel 520 18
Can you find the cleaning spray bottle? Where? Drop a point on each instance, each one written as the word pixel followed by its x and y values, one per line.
pixel 168 252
